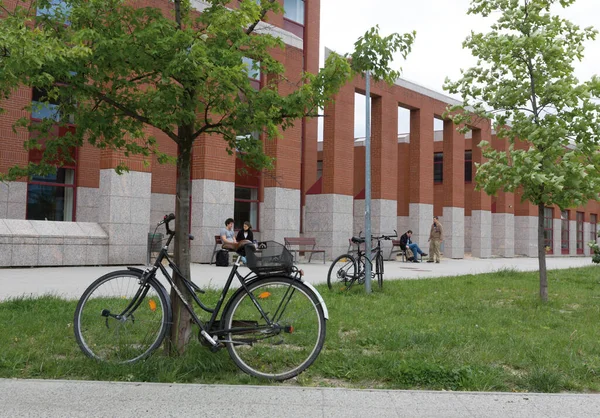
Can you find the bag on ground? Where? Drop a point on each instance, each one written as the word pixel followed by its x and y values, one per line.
pixel 222 258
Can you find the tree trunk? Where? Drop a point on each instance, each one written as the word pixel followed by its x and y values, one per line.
pixel 181 329
pixel 542 255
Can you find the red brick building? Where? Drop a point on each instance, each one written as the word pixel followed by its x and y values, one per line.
pixel 87 214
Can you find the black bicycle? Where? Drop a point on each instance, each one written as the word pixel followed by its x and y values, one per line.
pixel 347 270
pixel 273 326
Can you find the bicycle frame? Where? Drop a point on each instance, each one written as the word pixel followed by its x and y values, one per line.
pixel 208 326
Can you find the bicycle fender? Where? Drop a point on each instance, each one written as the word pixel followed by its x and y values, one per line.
pixel 137 270
pixel 321 301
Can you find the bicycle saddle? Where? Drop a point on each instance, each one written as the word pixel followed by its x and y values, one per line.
pixel 358 240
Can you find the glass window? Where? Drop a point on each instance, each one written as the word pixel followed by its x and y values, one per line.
pixel 51 197
pixel 548 230
pixel 593 227
pixel 438 167
pixel 468 166
pixel 579 232
pixel 564 232
pixel 253 68
pixel 55 7
pixel 43 107
pixel 294 10
pixel 245 207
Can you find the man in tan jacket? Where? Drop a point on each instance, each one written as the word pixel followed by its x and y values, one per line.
pixel 436 236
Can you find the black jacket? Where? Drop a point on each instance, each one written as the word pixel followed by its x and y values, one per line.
pixel 404 241
pixel 240 235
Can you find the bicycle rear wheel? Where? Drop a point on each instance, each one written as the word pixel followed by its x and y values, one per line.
pixel 342 273
pixel 379 269
pixel 287 341
pixel 118 320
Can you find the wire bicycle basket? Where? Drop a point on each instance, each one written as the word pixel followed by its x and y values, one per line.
pixel 268 257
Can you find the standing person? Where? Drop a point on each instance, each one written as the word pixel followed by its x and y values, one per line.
pixel 245 233
pixel 436 236
pixel 406 242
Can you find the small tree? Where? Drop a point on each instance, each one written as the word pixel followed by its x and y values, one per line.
pixel 524 82
pixel 118 69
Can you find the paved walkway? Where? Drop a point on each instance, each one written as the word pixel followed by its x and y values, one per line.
pixel 63 398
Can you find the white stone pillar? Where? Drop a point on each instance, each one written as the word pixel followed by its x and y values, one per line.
pixel 454 232
pixel 481 233
pixel 212 203
pixel 572 238
pixel 280 214
pixel 329 219
pixel 420 219
pixel 124 210
pixel 13 200
pixel 556 235
pixel 586 238
pixel 525 233
pixel 383 221
pixel 88 199
pixel 503 234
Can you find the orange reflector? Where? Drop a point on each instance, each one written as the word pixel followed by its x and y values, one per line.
pixel 264 295
pixel 152 305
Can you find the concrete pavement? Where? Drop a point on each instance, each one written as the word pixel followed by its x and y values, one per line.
pixel 70 282
pixel 51 398
pixel 73 399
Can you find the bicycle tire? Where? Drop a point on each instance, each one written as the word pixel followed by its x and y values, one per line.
pixel 342 273
pixel 291 344
pixel 379 269
pixel 104 336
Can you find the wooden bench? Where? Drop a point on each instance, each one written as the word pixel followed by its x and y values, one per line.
pixel 216 248
pixel 302 243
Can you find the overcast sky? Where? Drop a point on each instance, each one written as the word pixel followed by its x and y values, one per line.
pixel 437 52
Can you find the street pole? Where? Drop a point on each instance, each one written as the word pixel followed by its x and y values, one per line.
pixel 368 184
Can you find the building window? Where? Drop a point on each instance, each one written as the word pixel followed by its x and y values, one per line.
pixel 294 10
pixel 564 232
pixel 468 166
pixel 246 206
pixel 43 107
pixel 319 169
pixel 438 167
pixel 55 7
pixel 579 232
pixel 253 70
pixel 52 197
pixel 548 230
pixel 593 227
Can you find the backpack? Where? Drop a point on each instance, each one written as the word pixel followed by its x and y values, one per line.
pixel 222 258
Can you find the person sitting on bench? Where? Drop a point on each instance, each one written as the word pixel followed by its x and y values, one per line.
pixel 406 243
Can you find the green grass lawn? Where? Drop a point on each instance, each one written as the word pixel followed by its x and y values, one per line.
pixel 482 333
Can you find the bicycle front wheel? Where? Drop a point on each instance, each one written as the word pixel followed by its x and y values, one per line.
pixel 342 273
pixel 119 320
pixel 277 328
pixel 379 270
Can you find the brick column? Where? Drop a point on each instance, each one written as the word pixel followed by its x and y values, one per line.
pixel 384 162
pixel 454 192
pixel 403 191
pixel 481 214
pixel 13 195
pixel 420 176
pixel 280 211
pixel 503 219
pixel 329 214
pixel 213 193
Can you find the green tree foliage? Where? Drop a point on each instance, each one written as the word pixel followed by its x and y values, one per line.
pixel 525 83
pixel 114 69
